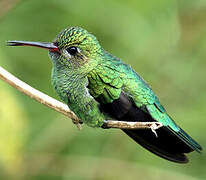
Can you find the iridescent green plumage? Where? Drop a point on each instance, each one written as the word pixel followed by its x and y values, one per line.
pixel 98 86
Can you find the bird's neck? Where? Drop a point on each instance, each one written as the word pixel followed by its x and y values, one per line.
pixel 67 82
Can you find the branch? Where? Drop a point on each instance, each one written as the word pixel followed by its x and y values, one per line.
pixel 63 108
pixel 38 96
pixel 133 125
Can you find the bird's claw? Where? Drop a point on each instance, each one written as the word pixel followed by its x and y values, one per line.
pixel 77 123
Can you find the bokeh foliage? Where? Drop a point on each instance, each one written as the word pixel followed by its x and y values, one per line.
pixel 163 40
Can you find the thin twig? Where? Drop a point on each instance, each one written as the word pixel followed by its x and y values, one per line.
pixel 132 125
pixel 38 96
pixel 63 108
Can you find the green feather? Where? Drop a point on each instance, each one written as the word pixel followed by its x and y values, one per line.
pixel 89 78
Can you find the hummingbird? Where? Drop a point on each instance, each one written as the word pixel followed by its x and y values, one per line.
pixel 98 86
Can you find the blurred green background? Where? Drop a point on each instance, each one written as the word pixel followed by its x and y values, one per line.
pixel 163 40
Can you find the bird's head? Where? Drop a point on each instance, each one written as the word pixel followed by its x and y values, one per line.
pixel 73 48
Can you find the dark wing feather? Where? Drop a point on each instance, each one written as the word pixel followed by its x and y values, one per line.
pixel 167 145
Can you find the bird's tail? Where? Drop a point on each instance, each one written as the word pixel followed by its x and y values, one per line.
pixel 169 145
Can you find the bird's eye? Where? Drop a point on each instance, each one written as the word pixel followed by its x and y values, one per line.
pixel 72 50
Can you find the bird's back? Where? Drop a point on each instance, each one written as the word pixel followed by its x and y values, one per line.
pixel 125 96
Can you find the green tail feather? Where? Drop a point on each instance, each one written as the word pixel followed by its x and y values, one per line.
pixel 188 140
pixel 162 116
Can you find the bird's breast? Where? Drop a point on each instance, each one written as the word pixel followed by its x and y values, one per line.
pixel 66 85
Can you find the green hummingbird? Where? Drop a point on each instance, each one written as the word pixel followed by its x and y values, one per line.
pixel 98 86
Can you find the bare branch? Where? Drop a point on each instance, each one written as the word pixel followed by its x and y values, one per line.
pixel 133 125
pixel 38 96
pixel 63 108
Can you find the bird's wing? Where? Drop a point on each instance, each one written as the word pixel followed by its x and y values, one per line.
pixel 146 98
pixel 125 96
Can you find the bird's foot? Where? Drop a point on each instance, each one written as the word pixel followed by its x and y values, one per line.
pixel 78 123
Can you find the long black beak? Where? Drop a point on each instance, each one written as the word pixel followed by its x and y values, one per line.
pixel 45 45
